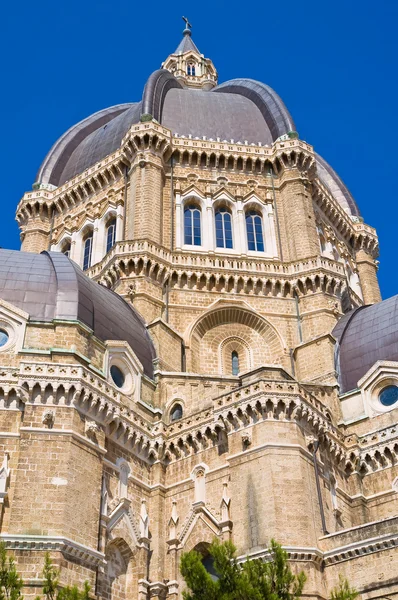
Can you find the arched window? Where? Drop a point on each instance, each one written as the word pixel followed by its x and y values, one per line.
pixel 65 248
pixel 235 363
pixel 208 563
pixel 223 228
pixel 110 234
pixel 192 226
pixel 176 412
pixel 191 69
pixel 88 248
pixel 254 230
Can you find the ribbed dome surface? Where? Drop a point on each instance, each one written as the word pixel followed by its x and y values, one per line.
pixel 50 286
pixel 100 143
pixel 239 109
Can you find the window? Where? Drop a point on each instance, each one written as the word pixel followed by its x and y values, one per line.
pixel 117 376
pixel 389 395
pixel 223 229
pixel 208 563
pixel 4 337
pixel 191 69
pixel 235 363
pixel 110 234
pixel 254 230
pixel 176 412
pixel 88 247
pixel 66 248
pixel 192 227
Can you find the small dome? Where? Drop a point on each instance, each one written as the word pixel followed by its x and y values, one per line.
pixel 50 286
pixel 366 335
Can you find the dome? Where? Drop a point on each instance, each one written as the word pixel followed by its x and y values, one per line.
pixel 239 109
pixel 50 286
pixel 366 335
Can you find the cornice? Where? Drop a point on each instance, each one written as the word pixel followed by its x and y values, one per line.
pixel 139 140
pixel 269 277
pixel 233 411
pixel 327 558
pixel 44 543
pixel 355 233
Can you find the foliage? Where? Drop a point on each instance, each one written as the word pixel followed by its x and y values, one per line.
pixel 10 581
pixel 51 589
pixel 343 590
pixel 252 580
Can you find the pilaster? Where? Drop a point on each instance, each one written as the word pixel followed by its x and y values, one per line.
pixel 299 236
pixel 367 272
pixel 36 236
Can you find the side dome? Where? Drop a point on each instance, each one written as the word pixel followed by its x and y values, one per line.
pixel 50 286
pixel 364 336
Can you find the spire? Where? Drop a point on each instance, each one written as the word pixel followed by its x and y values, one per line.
pixel 189 66
pixel 187 44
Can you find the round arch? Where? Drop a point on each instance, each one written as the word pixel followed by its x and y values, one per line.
pixel 212 329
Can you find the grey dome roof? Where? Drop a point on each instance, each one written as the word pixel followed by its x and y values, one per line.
pixel 239 109
pixel 50 286
pixel 366 335
pixel 197 113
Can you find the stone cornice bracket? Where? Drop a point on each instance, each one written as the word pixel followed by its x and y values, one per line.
pixel 287 154
pixel 288 157
pixel 147 138
pixel 331 208
pixel 42 204
pixel 35 205
pixel 268 281
pixel 366 239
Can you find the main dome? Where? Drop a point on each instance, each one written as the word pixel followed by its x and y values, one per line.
pixel 241 110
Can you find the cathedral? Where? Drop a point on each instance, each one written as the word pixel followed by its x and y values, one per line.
pixel 193 346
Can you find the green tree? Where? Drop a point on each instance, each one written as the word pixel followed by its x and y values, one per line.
pixel 251 580
pixel 10 581
pixel 343 590
pixel 51 589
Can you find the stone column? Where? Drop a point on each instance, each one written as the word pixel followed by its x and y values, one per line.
pixel 75 247
pixel 98 249
pixel 367 272
pixel 119 223
pixel 240 230
pixel 270 244
pixel 179 216
pixel 208 241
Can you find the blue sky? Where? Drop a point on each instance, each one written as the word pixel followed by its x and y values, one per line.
pixel 334 63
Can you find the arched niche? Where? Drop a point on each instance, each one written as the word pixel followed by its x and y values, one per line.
pixel 117 581
pixel 213 334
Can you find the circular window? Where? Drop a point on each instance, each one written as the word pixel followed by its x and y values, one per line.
pixel 117 376
pixel 4 337
pixel 389 395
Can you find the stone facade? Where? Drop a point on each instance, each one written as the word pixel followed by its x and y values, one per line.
pixel 107 481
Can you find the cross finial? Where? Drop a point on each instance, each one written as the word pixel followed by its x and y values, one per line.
pixel 187 23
